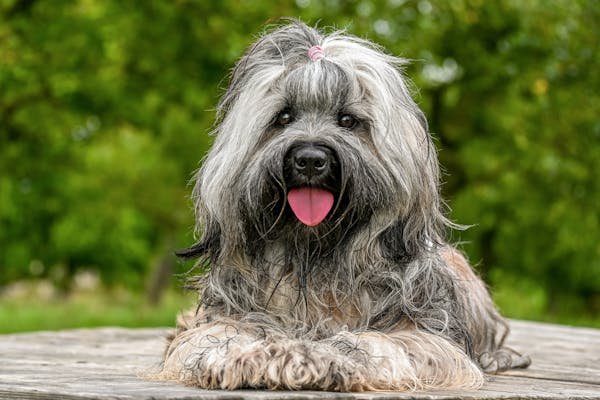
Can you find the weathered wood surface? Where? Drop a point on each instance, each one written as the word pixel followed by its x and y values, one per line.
pixel 106 364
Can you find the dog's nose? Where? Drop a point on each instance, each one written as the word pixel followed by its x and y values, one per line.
pixel 311 160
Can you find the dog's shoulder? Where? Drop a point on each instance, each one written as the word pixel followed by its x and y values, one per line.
pixel 457 262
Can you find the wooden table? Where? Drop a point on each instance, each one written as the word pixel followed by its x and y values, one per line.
pixel 105 364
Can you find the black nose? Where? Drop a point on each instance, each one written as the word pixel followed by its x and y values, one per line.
pixel 311 160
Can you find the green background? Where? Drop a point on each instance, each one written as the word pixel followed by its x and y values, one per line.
pixel 105 109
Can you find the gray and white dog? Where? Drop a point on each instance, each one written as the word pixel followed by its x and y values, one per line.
pixel 322 235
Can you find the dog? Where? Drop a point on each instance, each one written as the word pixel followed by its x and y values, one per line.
pixel 321 235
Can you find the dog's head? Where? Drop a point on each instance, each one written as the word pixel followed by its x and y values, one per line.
pixel 317 138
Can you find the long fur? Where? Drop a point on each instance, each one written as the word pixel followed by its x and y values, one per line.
pixel 370 299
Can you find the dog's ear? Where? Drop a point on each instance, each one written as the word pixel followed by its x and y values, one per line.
pixel 209 246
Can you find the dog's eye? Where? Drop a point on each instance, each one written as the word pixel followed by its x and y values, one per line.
pixel 347 121
pixel 284 117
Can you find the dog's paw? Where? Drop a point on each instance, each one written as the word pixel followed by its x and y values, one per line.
pixel 502 360
pixel 385 364
pixel 240 367
pixel 310 365
pixel 279 364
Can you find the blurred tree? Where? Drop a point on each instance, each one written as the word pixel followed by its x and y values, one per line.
pixel 105 106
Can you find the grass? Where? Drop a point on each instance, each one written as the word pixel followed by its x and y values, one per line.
pixel 90 309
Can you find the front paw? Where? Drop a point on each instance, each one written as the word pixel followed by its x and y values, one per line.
pixel 282 364
pixel 502 359
pixel 310 365
pixel 240 367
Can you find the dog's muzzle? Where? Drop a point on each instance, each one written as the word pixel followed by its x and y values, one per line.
pixel 311 175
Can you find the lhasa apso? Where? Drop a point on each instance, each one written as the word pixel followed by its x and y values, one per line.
pixel 322 235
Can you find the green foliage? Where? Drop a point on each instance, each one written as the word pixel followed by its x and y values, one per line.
pixel 105 108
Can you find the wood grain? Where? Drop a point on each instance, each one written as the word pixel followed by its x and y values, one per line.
pixel 108 363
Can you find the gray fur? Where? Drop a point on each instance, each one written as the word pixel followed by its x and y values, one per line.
pixel 376 277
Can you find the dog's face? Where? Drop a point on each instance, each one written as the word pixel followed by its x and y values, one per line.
pixel 318 148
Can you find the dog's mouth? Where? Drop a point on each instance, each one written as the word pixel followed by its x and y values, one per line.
pixel 312 176
pixel 310 205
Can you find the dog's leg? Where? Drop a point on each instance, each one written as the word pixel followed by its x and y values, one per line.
pixel 202 355
pixel 408 359
pixel 230 354
pixel 487 328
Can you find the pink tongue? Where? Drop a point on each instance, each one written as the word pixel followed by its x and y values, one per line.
pixel 310 205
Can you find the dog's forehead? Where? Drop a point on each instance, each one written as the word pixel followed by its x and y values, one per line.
pixel 321 85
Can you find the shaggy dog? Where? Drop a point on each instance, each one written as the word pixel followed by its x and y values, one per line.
pixel 322 235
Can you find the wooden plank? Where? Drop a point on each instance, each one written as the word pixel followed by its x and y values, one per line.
pixel 106 364
pixel 559 352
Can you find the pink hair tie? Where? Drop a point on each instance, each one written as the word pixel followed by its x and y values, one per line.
pixel 316 53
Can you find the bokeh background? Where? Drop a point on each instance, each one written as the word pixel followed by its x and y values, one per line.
pixel 105 109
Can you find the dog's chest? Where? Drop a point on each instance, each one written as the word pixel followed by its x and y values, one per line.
pixel 311 307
